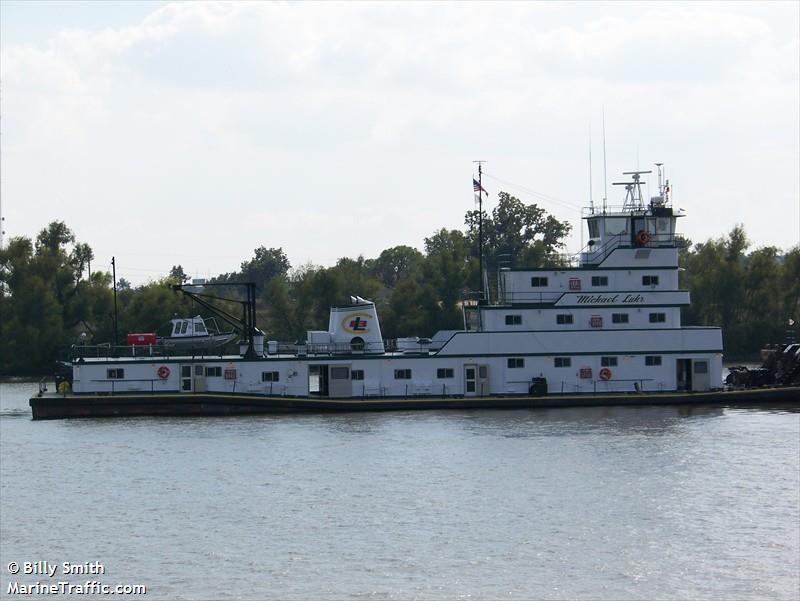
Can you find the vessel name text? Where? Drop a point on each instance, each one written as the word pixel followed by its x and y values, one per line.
pixel 600 299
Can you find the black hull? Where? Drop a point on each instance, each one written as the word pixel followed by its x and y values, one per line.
pixel 54 406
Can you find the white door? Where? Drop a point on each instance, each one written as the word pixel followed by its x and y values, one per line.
pixel 186 378
pixel 470 380
pixel 700 377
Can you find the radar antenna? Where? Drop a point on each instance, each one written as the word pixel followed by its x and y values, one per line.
pixel 634 201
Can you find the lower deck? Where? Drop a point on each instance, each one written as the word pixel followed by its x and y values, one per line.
pixel 362 376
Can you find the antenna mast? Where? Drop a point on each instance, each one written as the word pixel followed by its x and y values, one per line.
pixel 591 199
pixel 605 169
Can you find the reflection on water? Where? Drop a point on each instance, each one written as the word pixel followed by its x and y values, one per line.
pixel 592 503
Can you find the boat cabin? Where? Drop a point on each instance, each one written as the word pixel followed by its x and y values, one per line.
pixel 193 326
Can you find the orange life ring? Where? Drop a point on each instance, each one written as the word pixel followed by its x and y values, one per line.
pixel 605 374
pixel 642 237
pixel 163 372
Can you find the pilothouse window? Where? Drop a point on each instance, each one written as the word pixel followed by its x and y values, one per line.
pixel 616 226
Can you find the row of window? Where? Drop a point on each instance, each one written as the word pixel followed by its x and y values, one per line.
pixel 442 373
pixel 519 362
pixel 597 280
pixel 568 318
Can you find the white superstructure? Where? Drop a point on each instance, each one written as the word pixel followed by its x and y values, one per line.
pixel 609 323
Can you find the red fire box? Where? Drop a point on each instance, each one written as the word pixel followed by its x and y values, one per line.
pixel 141 339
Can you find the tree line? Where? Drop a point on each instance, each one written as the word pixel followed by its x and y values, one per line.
pixel 50 298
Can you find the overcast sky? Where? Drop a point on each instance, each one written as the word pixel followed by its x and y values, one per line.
pixel 192 133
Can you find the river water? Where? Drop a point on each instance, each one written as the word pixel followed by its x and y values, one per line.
pixel 598 503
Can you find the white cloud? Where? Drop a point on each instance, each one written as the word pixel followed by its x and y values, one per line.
pixel 216 115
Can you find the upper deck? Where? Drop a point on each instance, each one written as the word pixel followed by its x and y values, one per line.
pixel 631 247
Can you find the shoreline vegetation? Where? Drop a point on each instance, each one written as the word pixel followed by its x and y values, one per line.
pixel 51 299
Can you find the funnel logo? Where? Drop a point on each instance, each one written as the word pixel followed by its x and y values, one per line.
pixel 356 323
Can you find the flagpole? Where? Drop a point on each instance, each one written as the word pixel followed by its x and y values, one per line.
pixel 480 230
pixel 480 227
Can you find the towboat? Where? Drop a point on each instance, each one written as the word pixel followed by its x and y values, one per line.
pixel 601 327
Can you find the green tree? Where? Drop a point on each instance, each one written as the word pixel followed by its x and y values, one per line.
pixel 46 301
pixel 178 275
pixel 524 233
pixel 395 263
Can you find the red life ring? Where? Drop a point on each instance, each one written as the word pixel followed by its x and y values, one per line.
pixel 605 374
pixel 642 238
pixel 163 372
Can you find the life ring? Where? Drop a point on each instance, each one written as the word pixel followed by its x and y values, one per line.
pixel 642 238
pixel 163 372
pixel 605 374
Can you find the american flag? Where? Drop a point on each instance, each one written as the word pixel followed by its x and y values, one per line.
pixel 477 187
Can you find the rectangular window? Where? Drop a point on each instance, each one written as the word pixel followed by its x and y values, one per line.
pixel 564 318
pixel 652 360
pixel 649 280
pixel 574 284
pixel 516 362
pixel 444 372
pixel 270 376
pixel 562 361
pixel 357 374
pixel 538 282
pixel 608 361
pixel 198 370
pixel 658 317
pixel 594 229
pixel 701 367
pixel 599 280
pixel 340 373
pixel 513 320
pixel 213 372
pixel 619 317
pixel 402 374
pixel 115 373
pixel 596 321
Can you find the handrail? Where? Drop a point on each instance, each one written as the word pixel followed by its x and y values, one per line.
pixel 109 351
